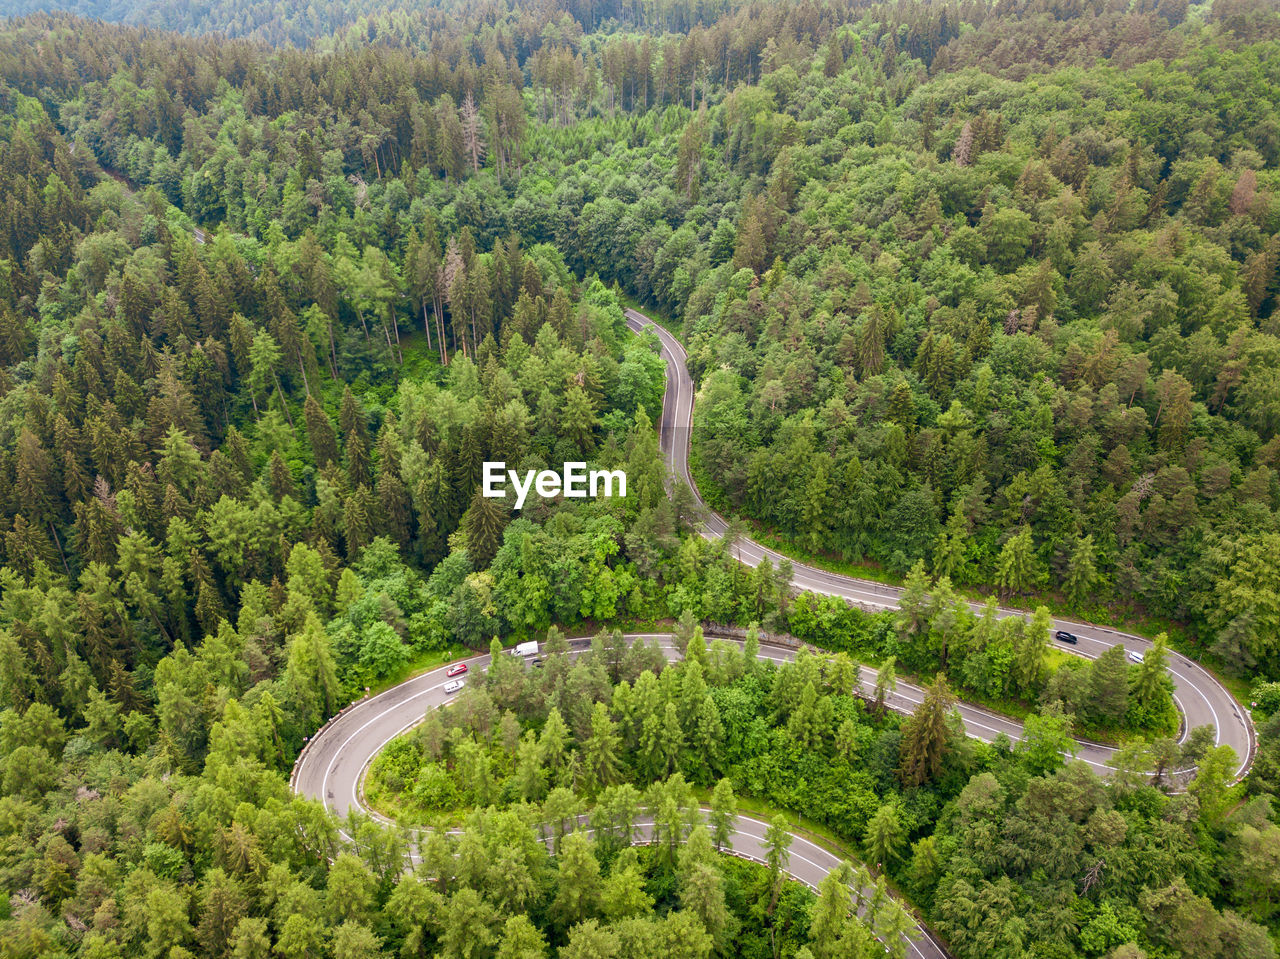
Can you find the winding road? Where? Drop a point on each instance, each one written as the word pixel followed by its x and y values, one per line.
pixel 332 765
pixel 1201 698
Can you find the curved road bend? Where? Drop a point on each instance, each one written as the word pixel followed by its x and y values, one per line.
pixel 1203 700
pixel 331 768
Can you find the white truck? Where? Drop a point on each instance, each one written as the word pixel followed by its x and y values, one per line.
pixel 524 650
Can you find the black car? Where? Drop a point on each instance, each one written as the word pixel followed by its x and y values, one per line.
pixel 1063 636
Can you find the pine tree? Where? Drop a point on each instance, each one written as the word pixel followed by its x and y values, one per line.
pixel 521 939
pixel 359 465
pixel 324 442
pixel 1151 683
pixel 356 521
pixel 871 340
pixel 707 739
pixel 886 682
pixel 750 251
pixel 484 522
pixel 689 157
pixel 264 359
pixel 1017 570
pixel 702 895
pixel 310 676
pixel 472 134
pixel 912 618
pixel 724 813
pixel 394 512
pixel 777 843
pixel 1109 685
pixel 578 419
pixel 1173 414
pixel 600 751
pixel 279 478
pixel 751 648
pixel 832 914
pixel 884 835
pixel 926 735
pixel 671 741
pixel 351 418
pixel 949 552
pixel 34 477
pixel 962 152
pixel 1212 783
pixel 1029 649
pixel 1082 571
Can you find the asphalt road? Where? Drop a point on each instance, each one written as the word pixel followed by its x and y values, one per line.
pixel 1203 700
pixel 332 766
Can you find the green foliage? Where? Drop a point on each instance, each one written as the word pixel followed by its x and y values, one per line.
pixel 987 839
pixel 264 313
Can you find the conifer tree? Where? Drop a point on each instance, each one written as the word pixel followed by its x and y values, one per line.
pixel 926 735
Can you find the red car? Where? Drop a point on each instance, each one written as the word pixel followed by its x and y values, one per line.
pixel 456 670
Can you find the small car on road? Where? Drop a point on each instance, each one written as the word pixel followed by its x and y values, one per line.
pixel 456 670
pixel 454 686
pixel 1135 657
pixel 1063 636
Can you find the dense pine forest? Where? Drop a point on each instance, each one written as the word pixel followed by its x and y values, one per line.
pixel 979 297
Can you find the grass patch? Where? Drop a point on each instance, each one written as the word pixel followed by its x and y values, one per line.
pixel 392 807
pixel 422 663
pixel 421 359
pixel 589 629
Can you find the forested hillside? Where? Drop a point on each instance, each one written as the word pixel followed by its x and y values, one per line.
pixel 981 295
pixel 1017 329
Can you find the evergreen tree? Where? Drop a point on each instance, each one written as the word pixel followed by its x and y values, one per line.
pixel 926 735
pixel 1029 651
pixel 777 842
pixel 724 811
pixel 1017 570
pixel 1109 685
pixel 310 676
pixel 324 443
pixel 886 681
pixel 1082 572
pixel 832 915
pixel 578 881
pixel 1151 685
pixel 884 835
pixel 600 751
pixel 483 523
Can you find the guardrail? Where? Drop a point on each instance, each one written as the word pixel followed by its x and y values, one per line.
pixel 720 631
pixel 306 743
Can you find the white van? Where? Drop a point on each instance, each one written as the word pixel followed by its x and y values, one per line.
pixel 454 686
pixel 1135 657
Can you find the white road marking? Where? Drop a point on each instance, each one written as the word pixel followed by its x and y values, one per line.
pixel 680 416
